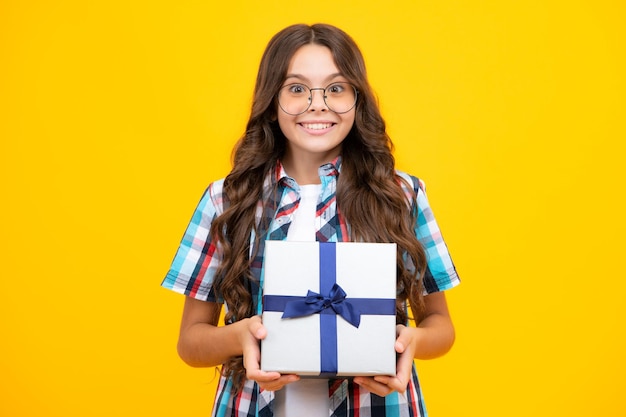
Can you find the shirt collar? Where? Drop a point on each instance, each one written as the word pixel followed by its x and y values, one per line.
pixel 333 168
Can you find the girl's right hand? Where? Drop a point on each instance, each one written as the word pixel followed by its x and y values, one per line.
pixel 252 334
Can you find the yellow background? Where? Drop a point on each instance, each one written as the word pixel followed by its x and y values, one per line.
pixel 115 115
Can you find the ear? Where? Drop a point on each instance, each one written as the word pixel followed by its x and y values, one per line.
pixel 273 110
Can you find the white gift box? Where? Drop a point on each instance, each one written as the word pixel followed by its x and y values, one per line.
pixel 351 289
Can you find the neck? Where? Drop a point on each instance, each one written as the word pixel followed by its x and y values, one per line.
pixel 305 170
pixel 303 173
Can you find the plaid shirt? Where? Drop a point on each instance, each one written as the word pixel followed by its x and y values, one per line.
pixel 193 269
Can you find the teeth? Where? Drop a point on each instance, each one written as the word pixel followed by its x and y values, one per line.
pixel 317 126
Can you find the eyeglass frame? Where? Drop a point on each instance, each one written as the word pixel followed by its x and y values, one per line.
pixel 310 98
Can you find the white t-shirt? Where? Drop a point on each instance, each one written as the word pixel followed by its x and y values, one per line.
pixel 306 397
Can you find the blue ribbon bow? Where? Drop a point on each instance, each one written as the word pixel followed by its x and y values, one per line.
pixel 316 303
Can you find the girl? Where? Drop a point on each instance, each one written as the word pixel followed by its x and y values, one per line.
pixel 315 163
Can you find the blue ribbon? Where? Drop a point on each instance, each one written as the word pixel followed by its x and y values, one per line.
pixel 334 303
pixel 378 306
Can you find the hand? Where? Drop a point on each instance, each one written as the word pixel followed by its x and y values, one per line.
pixel 405 345
pixel 252 334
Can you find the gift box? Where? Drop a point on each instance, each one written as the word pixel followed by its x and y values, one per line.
pixel 329 308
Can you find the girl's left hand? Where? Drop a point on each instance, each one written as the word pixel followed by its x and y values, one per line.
pixel 405 345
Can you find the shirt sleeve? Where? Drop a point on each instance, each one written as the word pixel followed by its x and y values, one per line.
pixel 193 269
pixel 440 273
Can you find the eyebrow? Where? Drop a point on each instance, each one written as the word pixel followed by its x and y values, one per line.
pixel 303 78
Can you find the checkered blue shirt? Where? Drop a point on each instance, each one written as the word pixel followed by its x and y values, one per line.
pixel 193 270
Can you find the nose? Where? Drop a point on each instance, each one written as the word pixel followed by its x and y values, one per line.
pixel 317 100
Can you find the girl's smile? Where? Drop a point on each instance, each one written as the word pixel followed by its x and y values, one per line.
pixel 316 127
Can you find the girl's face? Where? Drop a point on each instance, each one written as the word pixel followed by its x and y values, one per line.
pixel 314 136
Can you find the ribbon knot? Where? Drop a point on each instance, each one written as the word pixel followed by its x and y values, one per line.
pixel 315 303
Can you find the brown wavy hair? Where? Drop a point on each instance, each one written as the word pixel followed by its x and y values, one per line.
pixel 369 192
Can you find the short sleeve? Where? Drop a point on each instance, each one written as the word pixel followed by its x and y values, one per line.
pixel 440 272
pixel 193 269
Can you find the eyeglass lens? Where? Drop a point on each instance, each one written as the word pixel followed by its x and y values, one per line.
pixel 296 98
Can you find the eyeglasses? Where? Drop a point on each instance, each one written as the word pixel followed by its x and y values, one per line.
pixel 295 99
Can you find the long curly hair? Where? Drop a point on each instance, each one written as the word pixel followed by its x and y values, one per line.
pixel 370 196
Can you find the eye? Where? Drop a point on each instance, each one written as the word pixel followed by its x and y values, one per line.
pixel 335 88
pixel 297 89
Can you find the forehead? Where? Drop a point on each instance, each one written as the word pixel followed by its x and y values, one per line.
pixel 312 62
